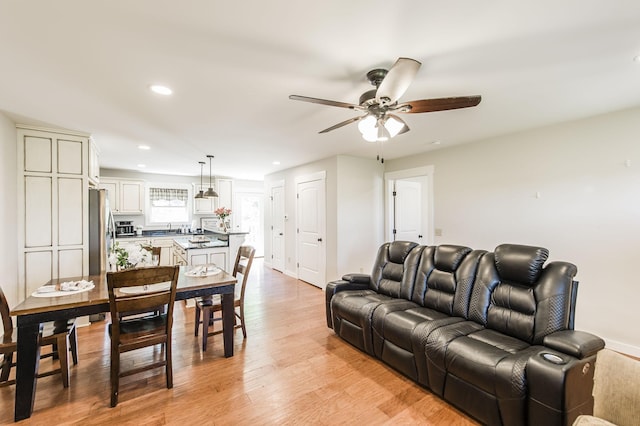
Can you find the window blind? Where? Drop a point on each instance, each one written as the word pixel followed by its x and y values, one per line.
pixel 168 197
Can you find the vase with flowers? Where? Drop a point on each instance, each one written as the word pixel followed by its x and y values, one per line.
pixel 131 256
pixel 223 213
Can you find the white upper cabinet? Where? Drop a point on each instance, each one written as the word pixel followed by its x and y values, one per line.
pixel 202 205
pixel 224 188
pixel 125 196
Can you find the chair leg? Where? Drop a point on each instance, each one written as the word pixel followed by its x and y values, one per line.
pixel 197 319
pixel 73 343
pixel 6 367
pixel 206 315
pixel 169 365
pixel 63 356
pixel 115 375
pixel 244 328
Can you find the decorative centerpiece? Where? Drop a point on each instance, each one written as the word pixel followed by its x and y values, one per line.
pixel 135 255
pixel 222 213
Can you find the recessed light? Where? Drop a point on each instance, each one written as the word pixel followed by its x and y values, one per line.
pixel 142 166
pixel 161 90
pixel 144 147
pixel 276 163
pixel 637 58
pixel 436 142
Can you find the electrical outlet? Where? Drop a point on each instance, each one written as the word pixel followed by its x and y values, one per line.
pixel 438 232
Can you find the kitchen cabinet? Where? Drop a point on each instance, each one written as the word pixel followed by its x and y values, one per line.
pixel 52 207
pixel 202 205
pixel 224 188
pixel 126 196
pixel 166 252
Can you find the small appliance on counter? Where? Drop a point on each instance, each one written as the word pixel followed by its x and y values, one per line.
pixel 125 228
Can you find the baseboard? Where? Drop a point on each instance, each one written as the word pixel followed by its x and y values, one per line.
pixel 292 274
pixel 623 347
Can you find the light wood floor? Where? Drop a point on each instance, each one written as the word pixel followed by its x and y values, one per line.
pixel 291 369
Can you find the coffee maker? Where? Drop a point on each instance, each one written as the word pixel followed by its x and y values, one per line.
pixel 125 228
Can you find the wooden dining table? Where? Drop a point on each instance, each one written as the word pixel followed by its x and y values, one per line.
pixel 34 311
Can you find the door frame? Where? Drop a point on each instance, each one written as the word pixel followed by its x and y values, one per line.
pixel 389 179
pixel 321 175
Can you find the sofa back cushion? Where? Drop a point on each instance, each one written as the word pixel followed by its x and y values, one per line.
pixel 515 294
pixel 394 270
pixel 435 285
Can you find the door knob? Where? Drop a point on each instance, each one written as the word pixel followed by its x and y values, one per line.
pixel 319 239
pixel 280 233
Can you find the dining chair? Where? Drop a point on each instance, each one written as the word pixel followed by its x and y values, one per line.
pixel 141 290
pixel 60 335
pixel 210 305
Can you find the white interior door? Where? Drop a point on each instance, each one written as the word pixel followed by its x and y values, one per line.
pixel 407 196
pixel 409 205
pixel 311 217
pixel 277 228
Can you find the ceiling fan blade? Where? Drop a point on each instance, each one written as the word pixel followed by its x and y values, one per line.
pixel 343 123
pixel 439 104
pixel 397 80
pixel 323 102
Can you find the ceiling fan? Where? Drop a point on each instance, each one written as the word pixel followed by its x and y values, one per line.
pixel 380 105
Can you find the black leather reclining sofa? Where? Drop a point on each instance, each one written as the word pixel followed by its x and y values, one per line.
pixel 491 333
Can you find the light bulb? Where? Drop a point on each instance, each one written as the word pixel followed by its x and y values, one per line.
pixel 367 124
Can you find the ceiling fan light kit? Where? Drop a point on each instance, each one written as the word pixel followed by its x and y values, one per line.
pixel 379 105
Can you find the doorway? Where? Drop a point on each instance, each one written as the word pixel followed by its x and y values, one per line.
pixel 409 205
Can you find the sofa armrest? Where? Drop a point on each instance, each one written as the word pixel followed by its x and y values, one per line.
pixel 352 282
pixel 578 344
pixel 357 278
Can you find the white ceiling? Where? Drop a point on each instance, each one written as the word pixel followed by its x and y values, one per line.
pixel 86 66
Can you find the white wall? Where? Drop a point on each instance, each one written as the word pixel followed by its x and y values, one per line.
pixel 573 188
pixel 8 214
pixel 360 214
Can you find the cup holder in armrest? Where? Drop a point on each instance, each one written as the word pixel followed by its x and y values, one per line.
pixel 552 358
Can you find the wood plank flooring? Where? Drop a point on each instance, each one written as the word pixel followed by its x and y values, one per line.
pixel 291 370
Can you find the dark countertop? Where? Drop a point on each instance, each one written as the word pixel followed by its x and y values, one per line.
pixel 163 234
pixel 187 244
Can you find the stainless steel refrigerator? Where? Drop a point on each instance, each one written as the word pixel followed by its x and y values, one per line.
pixel 101 231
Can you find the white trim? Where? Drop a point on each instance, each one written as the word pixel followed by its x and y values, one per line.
pixel 268 217
pixel 623 347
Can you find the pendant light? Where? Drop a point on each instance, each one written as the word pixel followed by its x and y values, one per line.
pixel 200 193
pixel 210 192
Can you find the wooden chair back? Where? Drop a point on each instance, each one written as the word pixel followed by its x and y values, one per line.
pixel 61 336
pixel 7 322
pixel 141 290
pixel 244 259
pixel 153 295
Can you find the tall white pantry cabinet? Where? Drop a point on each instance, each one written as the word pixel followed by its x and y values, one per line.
pixel 53 181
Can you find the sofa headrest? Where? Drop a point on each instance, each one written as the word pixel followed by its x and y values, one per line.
pixel 520 264
pixel 398 250
pixel 448 257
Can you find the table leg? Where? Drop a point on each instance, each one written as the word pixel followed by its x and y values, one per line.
pixel 26 370
pixel 228 323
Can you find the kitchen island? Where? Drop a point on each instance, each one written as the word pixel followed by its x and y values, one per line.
pixel 219 247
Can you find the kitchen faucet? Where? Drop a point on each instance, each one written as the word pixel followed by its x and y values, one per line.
pixel 169 226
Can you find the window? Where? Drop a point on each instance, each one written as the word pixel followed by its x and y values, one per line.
pixel 168 205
